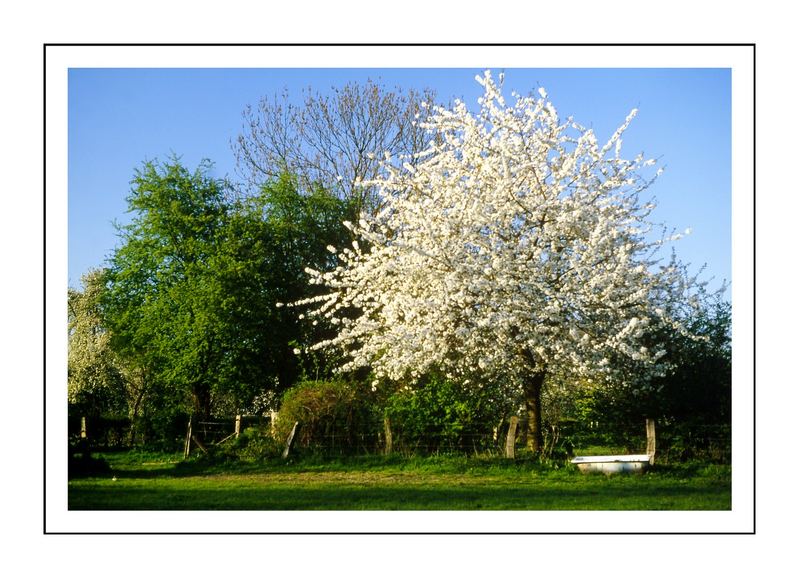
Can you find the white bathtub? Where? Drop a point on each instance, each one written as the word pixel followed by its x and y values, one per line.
pixel 613 463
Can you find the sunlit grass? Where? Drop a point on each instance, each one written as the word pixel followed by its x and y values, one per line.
pixel 164 482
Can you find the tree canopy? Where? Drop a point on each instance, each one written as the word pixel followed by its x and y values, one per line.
pixel 330 139
pixel 515 244
pixel 95 379
pixel 466 261
pixel 193 285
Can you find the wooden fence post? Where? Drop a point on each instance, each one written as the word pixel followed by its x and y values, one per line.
pixel 237 429
pixel 387 431
pixel 188 446
pixel 199 444
pixel 273 418
pixel 511 437
pixel 83 443
pixel 290 440
pixel 650 427
pixel 522 427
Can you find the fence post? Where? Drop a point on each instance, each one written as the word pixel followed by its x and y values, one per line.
pixel 511 437
pixel 188 446
pixel 273 418
pixel 238 427
pixel 522 426
pixel 290 440
pixel 83 443
pixel 387 430
pixel 650 427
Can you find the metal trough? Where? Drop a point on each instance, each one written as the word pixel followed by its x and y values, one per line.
pixel 613 463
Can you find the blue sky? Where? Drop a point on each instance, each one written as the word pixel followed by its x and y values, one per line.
pixel 119 118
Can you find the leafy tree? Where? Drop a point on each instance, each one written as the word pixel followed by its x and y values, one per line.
pixel 516 246
pixel 697 386
pixel 691 401
pixel 696 382
pixel 192 287
pixel 101 381
pixel 268 240
pixel 335 140
pixel 162 294
pixel 95 377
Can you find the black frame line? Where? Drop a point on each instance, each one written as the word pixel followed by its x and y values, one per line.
pixel 364 45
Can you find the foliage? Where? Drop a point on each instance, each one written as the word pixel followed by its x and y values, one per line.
pixel 193 286
pixel 162 426
pixel 441 415
pixel 103 431
pixel 334 416
pixel 256 444
pixel 268 241
pixel 105 386
pixel 95 377
pixel 514 246
pixel 162 295
pixel 690 402
pixel 330 140
pixel 698 386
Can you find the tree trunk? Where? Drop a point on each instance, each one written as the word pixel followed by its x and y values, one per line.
pixel 135 415
pixel 650 428
pixel 202 401
pixel 532 389
pixel 137 388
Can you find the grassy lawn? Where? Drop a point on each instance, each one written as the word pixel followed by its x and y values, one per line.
pixel 164 482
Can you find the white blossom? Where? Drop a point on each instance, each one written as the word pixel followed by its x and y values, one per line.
pixel 515 244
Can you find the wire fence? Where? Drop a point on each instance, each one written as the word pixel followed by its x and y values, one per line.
pixel 675 441
pixel 714 444
pixel 118 433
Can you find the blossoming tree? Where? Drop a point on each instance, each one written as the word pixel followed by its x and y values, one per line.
pixel 516 245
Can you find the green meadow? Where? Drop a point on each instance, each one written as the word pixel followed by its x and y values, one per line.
pixel 142 481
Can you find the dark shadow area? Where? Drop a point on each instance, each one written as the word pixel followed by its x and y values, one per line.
pixel 402 497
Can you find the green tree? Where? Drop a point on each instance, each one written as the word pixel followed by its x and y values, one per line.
pixel 194 283
pixel 699 385
pixel 267 242
pixel 161 292
pixel 101 380
pixel 691 401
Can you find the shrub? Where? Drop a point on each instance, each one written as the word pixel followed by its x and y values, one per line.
pixel 336 417
pixel 162 429
pixel 443 416
pixel 256 443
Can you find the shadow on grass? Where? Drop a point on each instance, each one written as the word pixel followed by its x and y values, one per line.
pixel 176 468
pixel 132 467
pixel 591 495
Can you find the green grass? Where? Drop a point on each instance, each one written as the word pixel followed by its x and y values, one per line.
pixel 165 482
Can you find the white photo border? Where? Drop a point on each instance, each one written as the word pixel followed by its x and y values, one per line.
pixel 740 58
